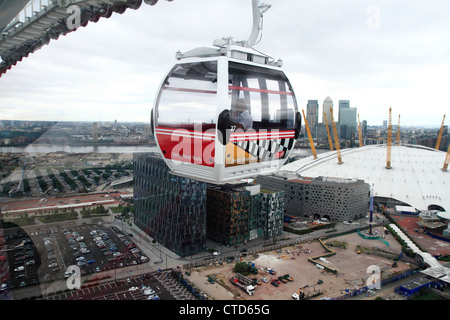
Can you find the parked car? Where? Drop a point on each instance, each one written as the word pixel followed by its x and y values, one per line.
pixel 19 268
pixel 30 263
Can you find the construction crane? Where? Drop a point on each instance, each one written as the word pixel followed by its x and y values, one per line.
pixel 438 142
pixel 311 142
pixel 299 295
pixel 328 132
pixel 360 133
pixel 389 142
pixel 336 139
pixel 447 159
pixel 398 131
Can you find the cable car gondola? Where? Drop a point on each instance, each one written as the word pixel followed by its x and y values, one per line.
pixel 227 112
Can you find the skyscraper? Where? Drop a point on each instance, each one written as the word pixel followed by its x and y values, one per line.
pixel 364 128
pixel 327 105
pixel 312 114
pixel 343 104
pixel 347 121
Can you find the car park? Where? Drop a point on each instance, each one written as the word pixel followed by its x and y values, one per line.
pixel 88 246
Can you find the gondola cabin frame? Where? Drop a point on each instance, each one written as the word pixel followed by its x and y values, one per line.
pixel 199 129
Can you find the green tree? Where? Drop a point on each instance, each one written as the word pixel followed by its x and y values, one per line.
pixel 242 268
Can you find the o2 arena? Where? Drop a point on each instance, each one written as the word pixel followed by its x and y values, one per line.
pixel 415 177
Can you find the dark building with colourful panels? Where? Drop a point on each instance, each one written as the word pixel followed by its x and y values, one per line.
pixel 336 199
pixel 237 213
pixel 169 208
pixel 227 221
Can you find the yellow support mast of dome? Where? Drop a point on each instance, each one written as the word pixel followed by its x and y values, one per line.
pixel 438 142
pixel 360 133
pixel 447 159
pixel 336 139
pixel 311 142
pixel 328 132
pixel 389 142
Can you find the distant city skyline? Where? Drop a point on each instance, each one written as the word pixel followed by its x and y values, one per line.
pixel 111 122
pixel 111 69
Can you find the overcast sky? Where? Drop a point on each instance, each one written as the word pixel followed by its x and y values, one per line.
pixel 377 54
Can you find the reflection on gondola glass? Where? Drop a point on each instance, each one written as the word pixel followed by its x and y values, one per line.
pixel 188 96
pixel 266 93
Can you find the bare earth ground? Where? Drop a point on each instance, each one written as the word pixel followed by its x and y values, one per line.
pixel 351 266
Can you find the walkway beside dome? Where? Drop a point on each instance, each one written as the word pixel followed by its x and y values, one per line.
pixel 435 270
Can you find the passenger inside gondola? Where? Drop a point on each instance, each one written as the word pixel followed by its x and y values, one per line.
pixel 240 116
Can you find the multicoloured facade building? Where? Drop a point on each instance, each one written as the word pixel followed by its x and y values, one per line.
pixel 242 212
pixel 227 214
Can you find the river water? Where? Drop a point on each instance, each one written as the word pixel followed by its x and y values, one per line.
pixel 47 148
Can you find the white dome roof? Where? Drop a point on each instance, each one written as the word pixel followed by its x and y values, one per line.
pixel 415 176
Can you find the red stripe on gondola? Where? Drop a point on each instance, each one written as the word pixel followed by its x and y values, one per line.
pixel 235 136
pixel 260 90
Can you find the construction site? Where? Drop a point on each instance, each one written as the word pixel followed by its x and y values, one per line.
pixel 313 270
